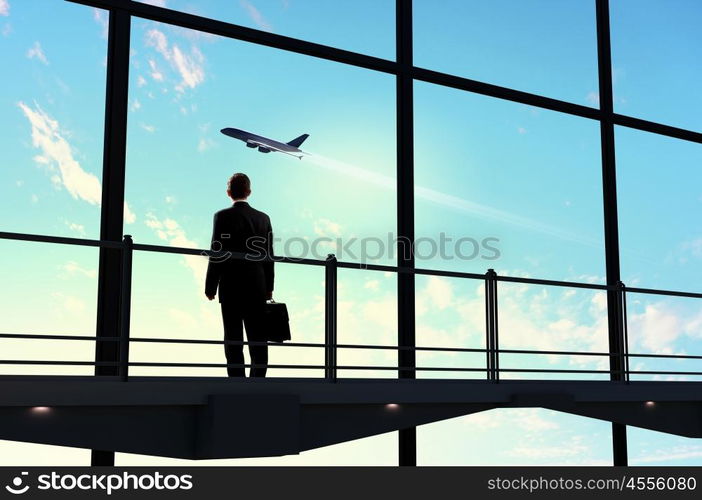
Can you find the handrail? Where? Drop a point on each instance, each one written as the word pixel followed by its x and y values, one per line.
pixel 340 264
pixel 168 340
pixel 331 345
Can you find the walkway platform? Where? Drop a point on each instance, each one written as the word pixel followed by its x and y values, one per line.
pixel 202 418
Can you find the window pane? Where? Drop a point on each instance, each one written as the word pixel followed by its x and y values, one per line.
pixel 658 448
pixel 48 289
pixel 168 302
pixel 367 315
pixel 53 97
pixel 178 161
pixel 365 26
pixel 660 199
pixel 664 326
pixel 450 314
pixel 542 318
pixel 515 436
pixel 656 60
pixel 506 186
pixel 546 47
pixel 339 198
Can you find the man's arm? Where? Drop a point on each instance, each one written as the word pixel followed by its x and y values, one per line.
pixel 214 266
pixel 268 266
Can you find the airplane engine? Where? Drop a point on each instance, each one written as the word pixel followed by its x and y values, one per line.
pixel 264 150
pixel 250 145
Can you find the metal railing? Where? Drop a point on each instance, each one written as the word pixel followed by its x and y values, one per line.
pixel 331 346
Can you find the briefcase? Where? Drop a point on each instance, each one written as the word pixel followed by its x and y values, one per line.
pixel 276 321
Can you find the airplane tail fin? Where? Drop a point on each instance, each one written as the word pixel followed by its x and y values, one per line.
pixel 296 143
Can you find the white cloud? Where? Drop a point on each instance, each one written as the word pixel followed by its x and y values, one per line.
pixel 371 284
pixel 183 318
pixel 141 81
pixel 682 452
pixel 170 199
pixel 102 18
pixel 157 3
pixel 256 15
pixel 326 228
pixel 57 154
pixel 170 231
pixel 593 98
pixel 129 216
pixel 530 318
pixel 575 448
pixel 75 227
pixel 527 419
pixel 4 8
pixel 204 144
pixel 149 128
pixel 656 328
pixel 189 66
pixel 36 52
pixel 135 106
pixel 68 303
pixel 521 130
pixel 73 268
pixel 693 247
pixel 155 72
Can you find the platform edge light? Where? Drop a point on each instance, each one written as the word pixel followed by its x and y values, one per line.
pixel 266 145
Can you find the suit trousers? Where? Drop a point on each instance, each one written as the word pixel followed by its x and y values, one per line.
pixel 236 315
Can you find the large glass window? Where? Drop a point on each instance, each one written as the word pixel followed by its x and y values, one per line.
pixel 52 98
pixel 506 186
pixel 337 23
pixel 656 60
pixel 498 185
pixel 660 198
pixel 546 47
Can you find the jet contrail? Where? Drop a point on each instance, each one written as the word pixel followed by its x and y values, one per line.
pixel 448 200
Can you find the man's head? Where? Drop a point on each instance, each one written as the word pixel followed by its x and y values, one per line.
pixel 239 187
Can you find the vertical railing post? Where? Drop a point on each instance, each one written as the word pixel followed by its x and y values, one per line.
pixel 488 326
pixel 125 306
pixel 496 331
pixel 623 333
pixel 491 326
pixel 330 286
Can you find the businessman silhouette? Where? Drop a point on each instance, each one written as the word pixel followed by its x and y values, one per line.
pixel 244 285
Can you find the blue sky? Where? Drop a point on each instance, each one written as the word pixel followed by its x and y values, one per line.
pixel 484 168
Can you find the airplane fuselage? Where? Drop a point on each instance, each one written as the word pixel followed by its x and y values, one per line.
pixel 264 144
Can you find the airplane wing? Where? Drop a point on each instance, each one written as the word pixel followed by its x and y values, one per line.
pixel 269 147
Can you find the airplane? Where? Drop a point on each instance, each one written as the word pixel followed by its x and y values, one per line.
pixel 266 145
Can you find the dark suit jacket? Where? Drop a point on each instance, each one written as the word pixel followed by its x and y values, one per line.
pixel 240 228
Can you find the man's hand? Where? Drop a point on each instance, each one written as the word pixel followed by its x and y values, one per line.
pixel 210 297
